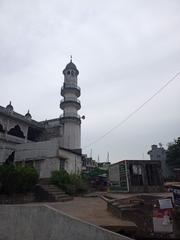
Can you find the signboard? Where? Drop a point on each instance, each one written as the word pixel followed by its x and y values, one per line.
pixel 162 220
pixel 176 195
pixel 165 203
pixel 162 216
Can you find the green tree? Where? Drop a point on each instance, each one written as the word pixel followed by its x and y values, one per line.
pixel 173 154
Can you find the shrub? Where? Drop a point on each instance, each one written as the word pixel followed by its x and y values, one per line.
pixel 27 178
pixel 71 183
pixel 8 179
pixel 60 178
pixel 70 189
pixel 16 179
pixel 79 183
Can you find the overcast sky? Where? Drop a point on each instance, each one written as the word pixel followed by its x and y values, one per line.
pixel 124 50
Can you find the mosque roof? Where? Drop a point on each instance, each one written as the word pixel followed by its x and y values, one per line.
pixel 16 116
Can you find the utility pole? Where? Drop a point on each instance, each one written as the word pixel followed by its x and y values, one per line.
pixel 107 160
pixel 91 153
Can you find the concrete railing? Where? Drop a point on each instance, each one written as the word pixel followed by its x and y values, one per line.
pixel 42 222
pixel 70 99
pixel 75 115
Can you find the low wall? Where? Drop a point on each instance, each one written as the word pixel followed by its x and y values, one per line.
pixel 17 198
pixel 45 223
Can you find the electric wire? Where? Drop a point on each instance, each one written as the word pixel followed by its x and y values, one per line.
pixel 133 112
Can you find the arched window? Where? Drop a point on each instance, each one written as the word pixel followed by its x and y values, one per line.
pixel 68 72
pixel 33 134
pixel 1 128
pixel 16 131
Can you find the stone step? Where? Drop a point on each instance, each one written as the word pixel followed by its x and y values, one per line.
pixel 44 181
pixel 55 189
pixel 60 196
pixel 51 187
pixel 53 193
pixel 57 193
pixel 64 199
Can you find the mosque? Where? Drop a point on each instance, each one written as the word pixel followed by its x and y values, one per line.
pixel 47 145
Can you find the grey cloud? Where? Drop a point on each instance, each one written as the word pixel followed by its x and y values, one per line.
pixel 124 50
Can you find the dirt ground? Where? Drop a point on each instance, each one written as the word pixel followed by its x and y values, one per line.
pixel 92 210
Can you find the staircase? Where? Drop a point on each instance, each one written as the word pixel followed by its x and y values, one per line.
pixel 45 191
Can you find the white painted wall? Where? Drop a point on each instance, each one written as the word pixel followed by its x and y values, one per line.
pixel 37 150
pixel 72 135
pixel 114 175
pixel 73 161
pixel 5 151
pixel 48 154
pixel 48 166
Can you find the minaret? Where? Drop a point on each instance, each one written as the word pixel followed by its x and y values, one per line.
pixel 70 105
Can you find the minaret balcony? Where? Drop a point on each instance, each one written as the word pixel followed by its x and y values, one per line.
pixel 70 101
pixel 70 88
pixel 70 117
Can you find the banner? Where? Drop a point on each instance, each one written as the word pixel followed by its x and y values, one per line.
pixel 163 216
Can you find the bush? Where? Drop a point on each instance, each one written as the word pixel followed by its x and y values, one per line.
pixel 17 179
pixel 71 183
pixel 78 182
pixel 70 189
pixel 60 178
pixel 8 179
pixel 27 179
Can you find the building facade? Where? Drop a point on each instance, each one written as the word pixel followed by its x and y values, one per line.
pixel 159 153
pixel 88 164
pixel 136 176
pixel 47 145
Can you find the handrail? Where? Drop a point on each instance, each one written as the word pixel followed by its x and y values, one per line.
pixel 70 115
pixel 70 99
pixel 68 85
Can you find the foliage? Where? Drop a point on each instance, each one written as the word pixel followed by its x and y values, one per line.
pixel 60 178
pixel 8 179
pixel 96 172
pixel 79 183
pixel 71 183
pixel 17 179
pixel 97 178
pixel 173 154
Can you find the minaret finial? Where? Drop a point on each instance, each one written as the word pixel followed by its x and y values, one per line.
pixel 70 58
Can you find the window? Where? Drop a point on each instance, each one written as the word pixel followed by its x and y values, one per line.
pixel 37 165
pixel 20 163
pixel 33 134
pixel 29 163
pixel 136 174
pixel 137 169
pixel 62 164
pixel 1 128
pixel 153 174
pixel 16 131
